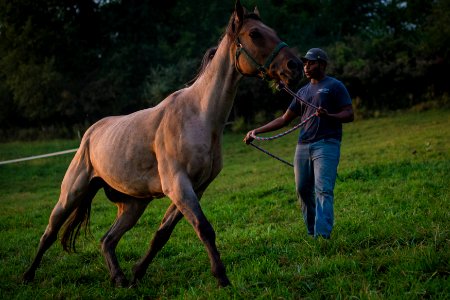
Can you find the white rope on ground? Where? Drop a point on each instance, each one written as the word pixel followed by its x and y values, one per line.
pixel 37 156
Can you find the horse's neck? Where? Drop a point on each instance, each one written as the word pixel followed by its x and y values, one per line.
pixel 217 87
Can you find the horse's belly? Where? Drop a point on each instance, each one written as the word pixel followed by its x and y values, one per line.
pixel 127 164
pixel 140 185
pixel 131 179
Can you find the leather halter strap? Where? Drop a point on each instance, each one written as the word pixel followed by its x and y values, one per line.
pixel 263 69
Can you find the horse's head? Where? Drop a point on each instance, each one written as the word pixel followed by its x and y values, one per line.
pixel 259 51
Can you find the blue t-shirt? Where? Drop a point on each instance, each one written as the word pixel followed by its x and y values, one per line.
pixel 330 94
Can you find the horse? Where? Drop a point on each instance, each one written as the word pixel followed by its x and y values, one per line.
pixel 170 150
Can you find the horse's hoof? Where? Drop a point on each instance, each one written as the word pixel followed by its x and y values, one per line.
pixel 224 282
pixel 133 284
pixel 137 275
pixel 28 277
pixel 120 281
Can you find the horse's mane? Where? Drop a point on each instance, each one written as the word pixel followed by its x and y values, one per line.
pixel 207 57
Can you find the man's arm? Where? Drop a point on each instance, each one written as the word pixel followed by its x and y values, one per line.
pixel 278 123
pixel 345 114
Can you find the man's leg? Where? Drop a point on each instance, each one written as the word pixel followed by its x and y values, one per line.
pixel 325 155
pixel 304 182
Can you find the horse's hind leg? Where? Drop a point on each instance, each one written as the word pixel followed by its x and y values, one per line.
pixel 128 213
pixel 170 220
pixel 74 189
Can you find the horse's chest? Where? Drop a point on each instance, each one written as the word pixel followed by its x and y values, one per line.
pixel 203 163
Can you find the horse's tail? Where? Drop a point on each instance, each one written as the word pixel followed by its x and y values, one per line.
pixel 79 218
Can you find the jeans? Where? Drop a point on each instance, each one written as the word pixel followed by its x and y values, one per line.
pixel 315 167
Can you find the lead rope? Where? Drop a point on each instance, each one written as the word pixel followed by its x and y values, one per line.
pixel 270 138
pixel 271 155
pixel 281 86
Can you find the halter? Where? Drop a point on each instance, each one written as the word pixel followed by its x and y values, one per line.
pixel 263 69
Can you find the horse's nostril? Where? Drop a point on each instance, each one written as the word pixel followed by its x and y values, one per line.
pixel 292 65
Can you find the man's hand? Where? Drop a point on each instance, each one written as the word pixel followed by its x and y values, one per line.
pixel 322 112
pixel 249 137
pixel 345 115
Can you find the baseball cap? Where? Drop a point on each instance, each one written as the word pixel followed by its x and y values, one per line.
pixel 315 54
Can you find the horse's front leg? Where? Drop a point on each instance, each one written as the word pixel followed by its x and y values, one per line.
pixel 170 220
pixel 181 193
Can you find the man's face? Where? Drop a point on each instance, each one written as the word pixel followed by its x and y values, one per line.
pixel 313 69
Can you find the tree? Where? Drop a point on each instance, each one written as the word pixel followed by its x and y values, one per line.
pixel 69 63
pixel 43 47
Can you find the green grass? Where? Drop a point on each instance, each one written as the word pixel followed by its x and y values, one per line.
pixel 391 238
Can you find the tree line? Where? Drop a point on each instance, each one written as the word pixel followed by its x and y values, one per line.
pixel 65 64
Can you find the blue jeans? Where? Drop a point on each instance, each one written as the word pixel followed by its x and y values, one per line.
pixel 315 167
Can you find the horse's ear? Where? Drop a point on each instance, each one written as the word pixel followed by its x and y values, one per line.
pixel 238 16
pixel 256 11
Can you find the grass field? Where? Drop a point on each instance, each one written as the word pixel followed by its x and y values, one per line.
pixel 391 238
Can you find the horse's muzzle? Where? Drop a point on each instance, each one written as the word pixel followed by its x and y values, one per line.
pixel 292 71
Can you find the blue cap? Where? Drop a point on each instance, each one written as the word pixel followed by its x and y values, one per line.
pixel 315 54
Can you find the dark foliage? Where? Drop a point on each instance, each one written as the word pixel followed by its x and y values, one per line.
pixel 66 64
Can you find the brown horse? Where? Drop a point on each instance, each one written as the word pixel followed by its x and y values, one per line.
pixel 172 149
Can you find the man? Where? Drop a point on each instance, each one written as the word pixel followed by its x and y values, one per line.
pixel 318 149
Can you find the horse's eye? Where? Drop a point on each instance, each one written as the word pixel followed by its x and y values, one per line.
pixel 255 34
